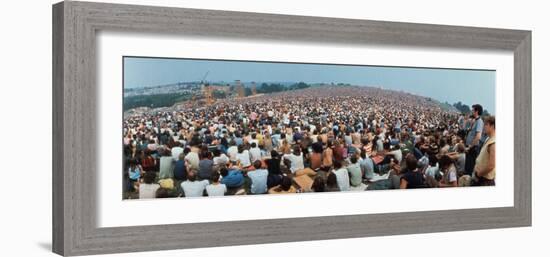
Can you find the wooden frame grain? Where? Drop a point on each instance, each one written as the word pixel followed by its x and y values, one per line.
pixel 75 25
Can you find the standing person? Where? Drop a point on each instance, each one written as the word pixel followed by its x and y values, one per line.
pixel 485 170
pixel 462 126
pixel 412 178
pixel 473 138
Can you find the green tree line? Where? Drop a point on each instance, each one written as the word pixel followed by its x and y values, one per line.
pixel 154 101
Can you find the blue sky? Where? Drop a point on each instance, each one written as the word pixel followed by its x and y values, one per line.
pixel 451 85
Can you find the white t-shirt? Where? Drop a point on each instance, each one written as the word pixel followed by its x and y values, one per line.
pixel 195 188
pixel 296 162
pixel 148 190
pixel 451 174
pixel 254 141
pixel 216 190
pixel 221 160
pixel 342 178
pixel 193 159
pixel 232 152
pixel 176 151
pixel 255 154
pixel 397 154
pixel 244 158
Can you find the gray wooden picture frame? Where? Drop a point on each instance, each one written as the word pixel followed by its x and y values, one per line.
pixel 75 25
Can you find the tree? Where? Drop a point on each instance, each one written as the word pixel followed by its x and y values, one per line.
pixel 270 88
pixel 462 107
pixel 219 94
pixel 299 85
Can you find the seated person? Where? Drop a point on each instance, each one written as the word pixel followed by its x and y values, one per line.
pixel 166 168
pixel 332 183
pixel 412 178
pixel 243 157
pixel 206 166
pixel 180 170
pixel 148 188
pixel 216 188
pixel 258 178
pixel 220 159
pixel 232 178
pixel 355 174
pixel 318 184
pixel 193 187
pixel 163 193
pixel 274 170
pixel 433 168
pixel 296 159
pixel 367 165
pixel 449 178
pixel 342 176
pixel 285 187
pixel 255 152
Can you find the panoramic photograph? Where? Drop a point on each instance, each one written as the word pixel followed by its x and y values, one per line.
pixel 220 128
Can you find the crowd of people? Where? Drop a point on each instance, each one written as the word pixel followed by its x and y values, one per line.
pixel 320 139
